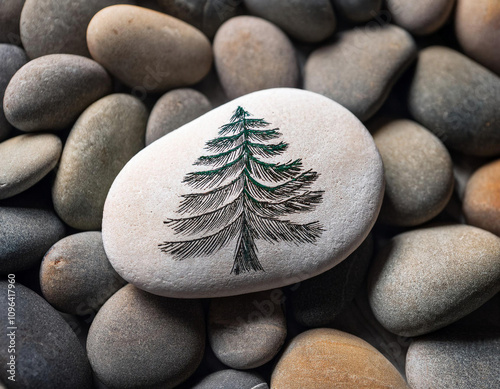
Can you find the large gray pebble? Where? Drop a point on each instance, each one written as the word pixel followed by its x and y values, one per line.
pixel 358 10
pixel 47 351
pixel 457 99
pixel 141 340
pixel 232 379
pixel 26 234
pixel 50 92
pixel 10 14
pixel 352 70
pixel 104 138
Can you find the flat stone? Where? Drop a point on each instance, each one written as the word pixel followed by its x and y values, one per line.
pixel 425 279
pixel 455 359
pixel 104 138
pixel 476 27
pixel 418 173
pixel 305 20
pixel 252 54
pixel 173 110
pixel 10 14
pixel 358 10
pixel 316 302
pixel 164 337
pixel 232 379
pixel 457 99
pixel 25 160
pixel 309 204
pixel 49 93
pixel 26 236
pixel 48 352
pixel 352 72
pixel 76 276
pixel 148 50
pixel 247 331
pixel 481 203
pixel 420 18
pixel 317 358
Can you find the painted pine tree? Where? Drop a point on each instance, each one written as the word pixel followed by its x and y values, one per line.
pixel 243 197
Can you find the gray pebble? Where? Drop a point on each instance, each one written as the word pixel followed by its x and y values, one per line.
pixel 232 379
pixel 10 14
pixel 358 11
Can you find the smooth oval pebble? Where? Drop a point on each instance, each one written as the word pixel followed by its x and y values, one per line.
pixel 10 13
pixel 305 20
pixel 173 110
pixel 455 359
pixel 252 54
pixel 425 279
pixel 330 174
pixel 353 63
pixel 148 50
pixel 59 27
pixel 457 99
pixel 316 359
pixel 104 138
pixel 76 276
pixel 48 353
pixel 247 331
pixel 420 18
pixel 26 236
pixel 142 340
pixel 418 173
pixel 231 379
pixel 477 28
pixel 481 204
pixel 25 160
pixel 359 10
pixel 50 92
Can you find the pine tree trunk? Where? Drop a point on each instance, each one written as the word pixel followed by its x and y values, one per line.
pixel 245 258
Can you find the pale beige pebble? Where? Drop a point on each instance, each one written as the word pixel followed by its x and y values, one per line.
pixel 148 50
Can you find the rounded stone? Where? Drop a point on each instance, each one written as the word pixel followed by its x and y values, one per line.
pixel 103 139
pixel 48 353
pixel 418 173
pixel 26 236
pixel 420 18
pixel 76 276
pixel 316 302
pixel 252 54
pixel 457 99
pixel 10 14
pixel 425 279
pixel 247 331
pixel 352 72
pixel 359 11
pixel 481 204
pixel 477 29
pixel 455 359
pixel 315 184
pixel 28 158
pixel 164 337
pixel 59 27
pixel 50 92
pixel 231 379
pixel 317 358
pixel 307 21
pixel 173 110
pixel 148 50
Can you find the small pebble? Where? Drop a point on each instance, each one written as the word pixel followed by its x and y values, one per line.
pixel 232 379
pixel 358 11
pixel 10 14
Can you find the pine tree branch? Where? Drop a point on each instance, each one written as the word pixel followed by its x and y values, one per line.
pixel 263 135
pixel 219 160
pixel 266 151
pixel 222 144
pixel 211 178
pixel 274 172
pixel 245 257
pixel 242 124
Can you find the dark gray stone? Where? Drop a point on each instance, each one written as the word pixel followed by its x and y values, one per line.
pixel 232 379
pixel 10 14
pixel 358 10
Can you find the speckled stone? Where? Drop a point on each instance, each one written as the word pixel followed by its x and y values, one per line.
pixel 425 279
pixel 173 110
pixel 316 302
pixel 455 359
pixel 418 173
pixel 76 276
pixel 481 203
pixel 26 235
pixel 25 160
pixel 247 331
pixel 48 353
pixel 231 379
pixel 104 138
pixel 252 54
pixel 305 20
pixel 316 359
pixel 352 72
pixel 457 99
pixel 10 13
pixel 164 337
pixel 477 28
pixel 358 10
pixel 148 50
pixel 50 92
